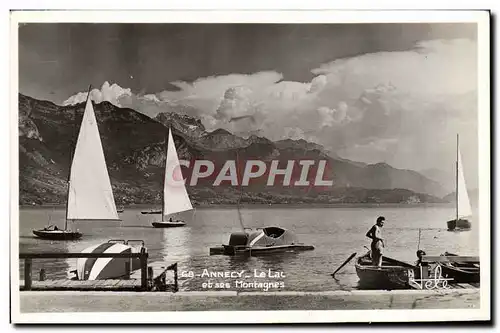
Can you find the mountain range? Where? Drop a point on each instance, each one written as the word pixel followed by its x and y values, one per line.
pixel 133 144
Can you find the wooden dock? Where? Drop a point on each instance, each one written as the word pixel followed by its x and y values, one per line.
pixel 85 285
pixel 151 277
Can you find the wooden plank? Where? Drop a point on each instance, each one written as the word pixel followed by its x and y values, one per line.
pixel 116 282
pixel 85 284
pixel 45 285
pixel 466 285
pixel 110 283
pixel 49 283
pixel 66 283
pixel 100 283
pixel 64 255
pixel 125 283
pixel 42 284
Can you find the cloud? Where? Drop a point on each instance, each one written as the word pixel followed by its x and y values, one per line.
pixel 151 97
pixel 235 103
pixel 438 66
pixel 331 117
pixel 111 93
pixel 207 93
pixel 355 105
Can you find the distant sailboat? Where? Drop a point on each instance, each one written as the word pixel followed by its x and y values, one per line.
pixel 90 196
pixel 175 197
pixel 462 203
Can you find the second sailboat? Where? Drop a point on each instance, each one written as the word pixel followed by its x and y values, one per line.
pixel 175 198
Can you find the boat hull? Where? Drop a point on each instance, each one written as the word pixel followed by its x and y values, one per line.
pixel 168 224
pixel 460 275
pixel 461 224
pixel 230 250
pixel 58 234
pixel 263 241
pixel 107 268
pixel 151 212
pixel 393 274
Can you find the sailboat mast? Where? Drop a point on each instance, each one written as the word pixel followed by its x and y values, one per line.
pixel 241 192
pixel 72 150
pixel 456 181
pixel 165 149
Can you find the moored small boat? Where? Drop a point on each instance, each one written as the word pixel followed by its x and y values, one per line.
pixel 151 212
pixel 57 234
pixel 263 241
pixel 393 274
pixel 168 224
pixel 459 225
pixel 461 272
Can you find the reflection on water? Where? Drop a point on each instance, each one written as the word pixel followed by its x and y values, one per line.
pixel 335 233
pixel 174 244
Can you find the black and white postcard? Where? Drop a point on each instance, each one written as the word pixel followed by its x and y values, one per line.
pixel 263 167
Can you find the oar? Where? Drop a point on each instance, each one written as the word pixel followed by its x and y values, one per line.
pixel 345 263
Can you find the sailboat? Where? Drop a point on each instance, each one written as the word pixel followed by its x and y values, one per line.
pixel 89 196
pixel 462 203
pixel 175 198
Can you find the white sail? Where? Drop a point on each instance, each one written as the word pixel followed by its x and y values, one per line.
pixel 463 203
pixel 90 196
pixel 175 196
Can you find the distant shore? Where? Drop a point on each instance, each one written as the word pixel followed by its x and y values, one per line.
pixel 260 205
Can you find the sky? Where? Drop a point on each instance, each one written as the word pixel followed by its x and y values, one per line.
pixel 393 93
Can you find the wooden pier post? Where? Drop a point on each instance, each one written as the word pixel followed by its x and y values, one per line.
pixel 144 269
pixel 127 269
pixel 27 274
pixel 176 284
pixel 42 275
pixel 150 275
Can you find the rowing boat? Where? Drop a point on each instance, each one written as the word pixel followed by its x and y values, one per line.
pixel 393 274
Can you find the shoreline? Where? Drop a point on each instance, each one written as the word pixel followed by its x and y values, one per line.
pixel 259 205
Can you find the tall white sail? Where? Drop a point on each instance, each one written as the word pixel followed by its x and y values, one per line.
pixel 175 196
pixel 463 203
pixel 90 196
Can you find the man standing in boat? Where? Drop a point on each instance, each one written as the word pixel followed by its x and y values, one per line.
pixel 375 234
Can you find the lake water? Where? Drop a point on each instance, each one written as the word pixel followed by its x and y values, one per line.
pixel 335 232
